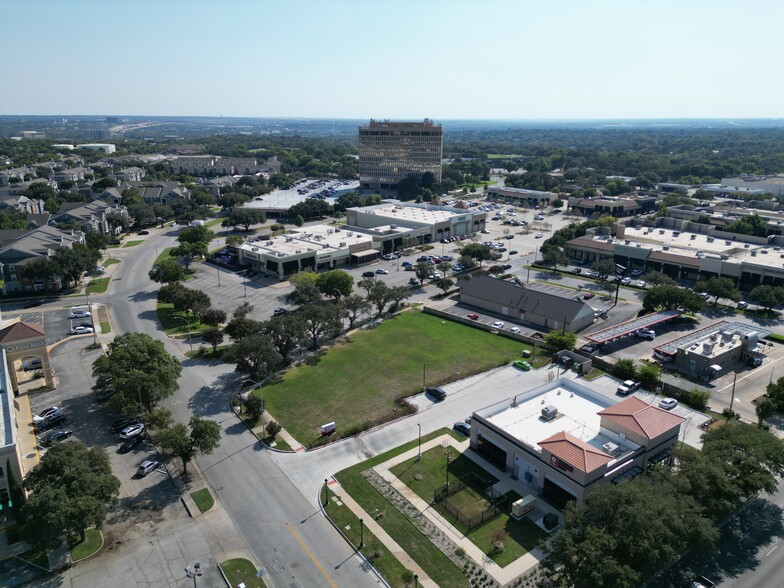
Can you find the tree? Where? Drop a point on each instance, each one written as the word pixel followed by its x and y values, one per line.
pixel 197 302
pixel 593 548
pixel 212 336
pixel 70 492
pixel 72 262
pixel 240 326
pixel 213 317
pixel 649 375
pixel 659 279
pixel 624 369
pixel 765 409
pixel 306 290
pixel 555 256
pixel 379 296
pixel 335 283
pixel 234 240
pixel 768 296
pixel 245 217
pixel 253 355
pixel 444 284
pixel 478 252
pixel 189 251
pixel 367 285
pixel 272 429
pixel 397 294
pixel 672 297
pixel 285 332
pixel 197 234
pixel 141 371
pixel 752 458
pixel 96 240
pixel 320 320
pixel 719 288
pixel 561 340
pixel 298 220
pixel 40 269
pixel 167 271
pixel 605 266
pixel 204 437
pixel 422 270
pixel 354 306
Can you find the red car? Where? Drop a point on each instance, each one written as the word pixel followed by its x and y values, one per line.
pixel 588 296
pixel 473 316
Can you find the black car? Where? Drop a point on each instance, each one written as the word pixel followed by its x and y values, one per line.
pixel 145 232
pixel 368 274
pixel 436 392
pixel 131 443
pixel 105 393
pixel 463 429
pixel 51 437
pixel 123 422
pixel 33 303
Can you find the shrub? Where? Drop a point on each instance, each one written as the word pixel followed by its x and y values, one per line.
pixel 272 429
pixel 624 369
pixel 697 399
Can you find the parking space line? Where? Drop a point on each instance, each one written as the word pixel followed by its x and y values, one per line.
pixel 751 373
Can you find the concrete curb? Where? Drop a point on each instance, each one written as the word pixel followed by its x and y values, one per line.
pixel 96 552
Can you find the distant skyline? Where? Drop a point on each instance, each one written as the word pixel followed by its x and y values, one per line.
pixel 397 59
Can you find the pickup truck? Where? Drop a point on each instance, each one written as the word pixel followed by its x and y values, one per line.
pixel 628 387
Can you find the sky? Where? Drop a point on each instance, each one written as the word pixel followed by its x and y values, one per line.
pixel 397 59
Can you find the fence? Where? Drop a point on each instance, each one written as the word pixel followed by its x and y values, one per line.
pixel 498 502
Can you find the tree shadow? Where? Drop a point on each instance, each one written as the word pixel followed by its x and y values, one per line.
pixel 148 501
pixel 142 296
pixel 737 550
pixel 214 399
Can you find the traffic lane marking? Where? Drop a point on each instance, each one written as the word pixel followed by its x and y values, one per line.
pixel 311 556
pixel 752 373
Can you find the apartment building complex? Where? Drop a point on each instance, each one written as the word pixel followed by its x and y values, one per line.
pixel 391 151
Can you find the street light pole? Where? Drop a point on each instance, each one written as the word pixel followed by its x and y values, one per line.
pixel 361 533
pixel 190 339
pixel 217 270
pixel 419 451
pixel 326 493
pixel 245 285
pixel 89 309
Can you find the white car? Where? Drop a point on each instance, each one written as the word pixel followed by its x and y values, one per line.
pixel 146 467
pixel 382 271
pixel 626 281
pixel 81 330
pixel 640 284
pixel 498 325
pixel 75 314
pixel 132 431
pixel 538 236
pixel 514 330
pixel 646 334
pixel 485 232
pixel 48 413
pixel 668 403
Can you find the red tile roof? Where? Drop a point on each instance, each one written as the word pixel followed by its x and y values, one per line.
pixel 691 261
pixel 589 243
pixel 575 452
pixel 641 418
pixel 19 331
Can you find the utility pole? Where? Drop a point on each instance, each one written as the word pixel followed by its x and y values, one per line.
pixel 732 398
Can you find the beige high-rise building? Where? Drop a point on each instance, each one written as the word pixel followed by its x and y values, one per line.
pixel 390 151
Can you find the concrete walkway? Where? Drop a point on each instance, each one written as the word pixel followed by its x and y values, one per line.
pixel 381 534
pixel 501 575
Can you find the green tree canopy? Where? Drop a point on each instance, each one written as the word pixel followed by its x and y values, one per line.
pixel 141 371
pixel 197 234
pixel 335 283
pixel 245 217
pixel 768 296
pixel 167 271
pixel 672 297
pixel 70 492
pixel 719 287
pixel 203 437
pixel 560 340
pixel 189 251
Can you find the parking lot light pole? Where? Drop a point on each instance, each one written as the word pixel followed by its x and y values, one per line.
pixel 326 493
pixel 217 270
pixel 361 533
pixel 92 319
pixel 419 451
pixel 190 339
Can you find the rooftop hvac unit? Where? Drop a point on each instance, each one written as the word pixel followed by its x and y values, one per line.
pixel 350 234
pixel 549 412
pixel 342 243
pixel 269 242
pixel 707 348
pixel 611 448
pixel 325 246
pixel 254 248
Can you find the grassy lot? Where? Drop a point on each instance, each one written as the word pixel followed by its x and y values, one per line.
pixel 213 222
pixel 172 323
pixel 241 571
pixel 389 361
pixel 439 567
pixel 106 327
pixel 429 474
pixel 280 443
pixel 110 261
pixel 165 254
pixel 206 352
pixel 203 499
pixel 383 560
pixel 90 545
pixel 133 243
pixel 98 286
pixel 593 374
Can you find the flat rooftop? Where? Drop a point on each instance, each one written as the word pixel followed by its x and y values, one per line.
pixel 697 337
pixel 413 213
pixel 318 238
pixel 577 415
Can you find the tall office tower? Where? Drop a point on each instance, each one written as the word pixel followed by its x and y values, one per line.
pixel 390 151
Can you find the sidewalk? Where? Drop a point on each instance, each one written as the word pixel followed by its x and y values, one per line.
pixel 502 575
pixel 381 534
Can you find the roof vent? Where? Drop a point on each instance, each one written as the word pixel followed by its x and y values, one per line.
pixel 611 448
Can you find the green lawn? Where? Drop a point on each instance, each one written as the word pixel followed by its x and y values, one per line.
pixel 165 254
pixel 203 499
pixel 523 536
pixel 172 323
pixel 133 243
pixel 213 222
pixel 281 444
pixel 239 571
pixel 439 567
pixel 90 545
pixel 98 286
pixel 389 361
pixel 110 261
pixel 502 156
pixel 383 560
pixel 207 353
pixel 106 327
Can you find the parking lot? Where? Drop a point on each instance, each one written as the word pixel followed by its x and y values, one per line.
pixel 281 200
pixel 56 322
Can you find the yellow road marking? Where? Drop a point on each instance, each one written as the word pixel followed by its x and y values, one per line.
pixel 310 555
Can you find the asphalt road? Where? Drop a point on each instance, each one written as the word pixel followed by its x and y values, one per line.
pixel 269 511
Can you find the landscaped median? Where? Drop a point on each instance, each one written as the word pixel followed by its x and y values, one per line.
pixel 93 541
pixel 241 571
